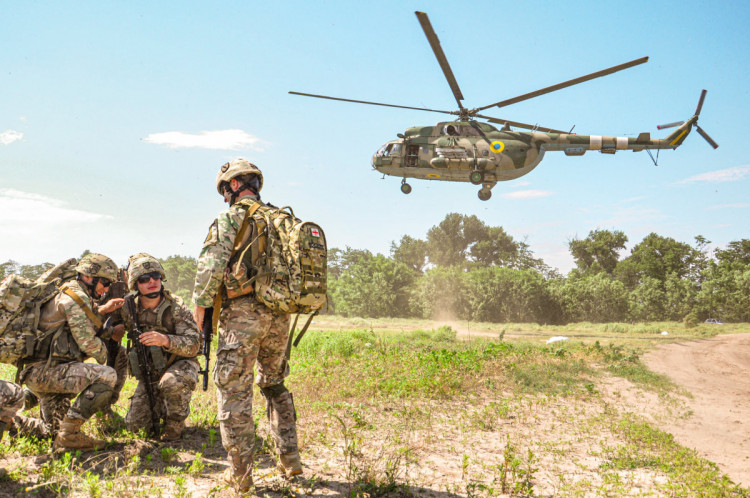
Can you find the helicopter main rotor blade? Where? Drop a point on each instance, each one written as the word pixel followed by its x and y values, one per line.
pixel 442 60
pixel 700 104
pixel 566 84
pixel 519 125
pixel 708 139
pixel 371 103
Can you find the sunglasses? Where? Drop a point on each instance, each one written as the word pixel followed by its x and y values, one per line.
pixel 144 279
pixel 105 282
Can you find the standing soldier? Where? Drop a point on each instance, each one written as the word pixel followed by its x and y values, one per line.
pixel 58 373
pixel 249 333
pixel 166 323
pixel 11 400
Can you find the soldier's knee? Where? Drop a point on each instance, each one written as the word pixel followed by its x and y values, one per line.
pixel 275 391
pixel 94 398
pixel 106 375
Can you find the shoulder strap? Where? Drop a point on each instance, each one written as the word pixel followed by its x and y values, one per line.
pixel 85 307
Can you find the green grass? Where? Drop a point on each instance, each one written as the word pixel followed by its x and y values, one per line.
pixel 650 448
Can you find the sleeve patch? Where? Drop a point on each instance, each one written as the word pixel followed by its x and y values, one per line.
pixel 213 235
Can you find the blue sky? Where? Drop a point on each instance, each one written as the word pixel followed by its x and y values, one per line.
pixel 117 115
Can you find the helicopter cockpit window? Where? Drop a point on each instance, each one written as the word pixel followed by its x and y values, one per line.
pixel 385 150
pixel 451 130
pixel 396 150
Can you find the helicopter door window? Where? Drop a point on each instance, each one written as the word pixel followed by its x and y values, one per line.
pixel 412 155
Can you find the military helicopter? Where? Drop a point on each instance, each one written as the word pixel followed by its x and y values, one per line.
pixel 466 150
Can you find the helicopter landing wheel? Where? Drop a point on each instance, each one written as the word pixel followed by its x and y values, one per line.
pixel 405 188
pixel 476 177
pixel 484 194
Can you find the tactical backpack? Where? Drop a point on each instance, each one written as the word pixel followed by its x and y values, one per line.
pixel 279 258
pixel 21 301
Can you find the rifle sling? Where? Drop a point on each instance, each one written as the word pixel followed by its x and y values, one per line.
pixel 85 307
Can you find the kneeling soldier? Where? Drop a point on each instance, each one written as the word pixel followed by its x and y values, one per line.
pixel 11 401
pixel 173 340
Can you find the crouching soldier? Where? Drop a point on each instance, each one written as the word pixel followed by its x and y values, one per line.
pixel 11 401
pixel 172 339
pixel 57 373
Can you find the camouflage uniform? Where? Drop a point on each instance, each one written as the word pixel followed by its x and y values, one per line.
pixel 11 400
pixel 175 385
pixel 59 376
pixel 249 333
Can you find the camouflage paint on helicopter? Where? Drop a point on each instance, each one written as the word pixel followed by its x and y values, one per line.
pixel 466 150
pixel 469 151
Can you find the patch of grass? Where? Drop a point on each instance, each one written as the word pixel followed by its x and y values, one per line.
pixel 650 448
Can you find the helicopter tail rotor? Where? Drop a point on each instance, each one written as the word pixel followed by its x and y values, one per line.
pixel 678 136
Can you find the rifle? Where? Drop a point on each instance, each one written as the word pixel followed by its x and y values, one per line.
pixel 207 329
pixel 116 290
pixel 144 369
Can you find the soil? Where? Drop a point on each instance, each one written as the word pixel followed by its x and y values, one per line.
pixel 716 374
pixel 457 446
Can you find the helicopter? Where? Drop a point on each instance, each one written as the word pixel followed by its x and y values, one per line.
pixel 467 150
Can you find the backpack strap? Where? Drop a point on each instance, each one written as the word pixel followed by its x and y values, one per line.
pixel 85 307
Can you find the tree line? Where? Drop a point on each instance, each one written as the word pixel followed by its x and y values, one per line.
pixel 467 270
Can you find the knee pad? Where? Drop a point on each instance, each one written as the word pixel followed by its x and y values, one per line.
pixel 94 398
pixel 274 391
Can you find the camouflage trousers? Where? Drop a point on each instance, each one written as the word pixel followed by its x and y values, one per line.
pixel 11 400
pixel 173 393
pixel 56 385
pixel 250 334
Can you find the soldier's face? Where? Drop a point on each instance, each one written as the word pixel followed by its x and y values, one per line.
pixel 153 284
pixel 100 288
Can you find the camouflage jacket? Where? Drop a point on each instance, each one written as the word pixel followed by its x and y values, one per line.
pixel 217 248
pixel 170 317
pixel 76 338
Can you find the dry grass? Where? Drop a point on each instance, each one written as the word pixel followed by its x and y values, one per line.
pixel 404 407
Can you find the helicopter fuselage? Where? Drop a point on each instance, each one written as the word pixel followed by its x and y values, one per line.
pixel 452 151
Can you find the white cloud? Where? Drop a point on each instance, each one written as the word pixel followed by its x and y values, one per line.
pixel 217 139
pixel 527 194
pixel 731 206
pixel 722 175
pixel 9 136
pixel 26 212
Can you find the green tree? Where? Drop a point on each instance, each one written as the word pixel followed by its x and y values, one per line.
pixel 657 257
pixel 411 252
pixel 600 251
pixel 373 287
pixel 442 294
pixel 593 298
pixel 180 271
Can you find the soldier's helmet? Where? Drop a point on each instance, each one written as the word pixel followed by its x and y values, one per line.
pixel 141 264
pixel 98 265
pixel 236 168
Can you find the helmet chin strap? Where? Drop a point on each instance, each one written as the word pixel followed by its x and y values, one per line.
pixel 252 187
pixel 91 287
pixel 153 295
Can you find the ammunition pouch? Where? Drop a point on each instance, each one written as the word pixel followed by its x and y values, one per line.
pixel 156 356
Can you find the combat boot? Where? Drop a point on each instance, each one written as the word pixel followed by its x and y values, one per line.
pixel 70 437
pixel 290 464
pixel 172 430
pixel 30 426
pixel 239 474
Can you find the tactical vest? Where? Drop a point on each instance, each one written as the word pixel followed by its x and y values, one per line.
pixel 159 319
pixel 57 344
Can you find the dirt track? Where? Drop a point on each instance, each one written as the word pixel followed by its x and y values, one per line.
pixel 717 373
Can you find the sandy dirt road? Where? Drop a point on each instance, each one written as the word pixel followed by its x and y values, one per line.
pixel 716 372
